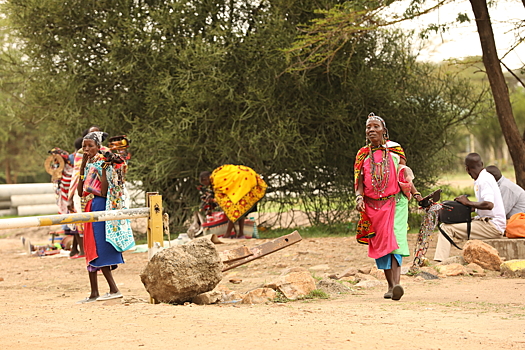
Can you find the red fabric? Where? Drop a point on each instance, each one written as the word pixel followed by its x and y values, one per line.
pixel 90 247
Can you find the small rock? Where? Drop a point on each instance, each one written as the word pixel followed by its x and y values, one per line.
pixel 351 271
pixel 453 260
pixel 475 270
pixel 364 277
pixel 208 298
pixel 259 296
pixel 235 280
pixel 364 270
pixel 369 284
pixel 1 279
pixel 223 288
pixel 231 296
pixel 453 270
pixel 513 268
pixel 294 283
pixel 378 274
pixel 323 267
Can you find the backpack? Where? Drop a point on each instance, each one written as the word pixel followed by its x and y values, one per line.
pixel 516 226
pixel 453 212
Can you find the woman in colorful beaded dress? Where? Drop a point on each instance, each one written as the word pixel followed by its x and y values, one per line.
pixel 101 184
pixel 383 187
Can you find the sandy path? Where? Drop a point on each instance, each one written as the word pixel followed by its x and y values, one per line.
pixel 38 309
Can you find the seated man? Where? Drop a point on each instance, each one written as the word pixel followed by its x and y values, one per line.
pixel 513 195
pixel 490 222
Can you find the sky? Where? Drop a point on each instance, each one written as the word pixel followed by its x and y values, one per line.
pixel 462 40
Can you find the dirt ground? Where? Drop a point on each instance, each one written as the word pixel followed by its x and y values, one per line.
pixel 39 295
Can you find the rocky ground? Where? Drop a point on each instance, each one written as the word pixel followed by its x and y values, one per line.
pixel 474 310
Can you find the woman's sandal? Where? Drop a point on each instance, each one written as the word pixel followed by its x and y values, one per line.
pixel 87 300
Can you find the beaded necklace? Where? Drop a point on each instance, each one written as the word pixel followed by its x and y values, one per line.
pixel 380 171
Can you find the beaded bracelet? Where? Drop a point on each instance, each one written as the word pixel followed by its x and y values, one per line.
pixel 359 196
pixel 82 177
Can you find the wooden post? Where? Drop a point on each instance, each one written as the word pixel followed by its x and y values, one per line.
pixel 155 229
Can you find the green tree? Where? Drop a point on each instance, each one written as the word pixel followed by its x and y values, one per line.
pixel 324 37
pixel 19 158
pixel 199 84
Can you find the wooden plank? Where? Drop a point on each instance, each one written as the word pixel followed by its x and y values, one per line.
pixel 265 249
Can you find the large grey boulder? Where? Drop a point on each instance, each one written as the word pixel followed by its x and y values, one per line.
pixel 180 273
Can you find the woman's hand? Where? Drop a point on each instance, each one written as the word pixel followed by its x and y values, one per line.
pixel 71 206
pixel 360 204
pixel 418 197
pixel 85 158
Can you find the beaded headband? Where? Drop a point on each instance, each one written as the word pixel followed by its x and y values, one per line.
pixel 372 116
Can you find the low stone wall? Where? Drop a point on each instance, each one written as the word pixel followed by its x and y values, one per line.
pixel 508 249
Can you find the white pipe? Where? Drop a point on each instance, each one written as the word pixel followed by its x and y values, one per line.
pixel 36 221
pixel 33 199
pixel 39 188
pixel 39 209
pixel 8 212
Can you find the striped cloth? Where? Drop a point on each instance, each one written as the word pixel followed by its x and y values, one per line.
pixel 62 189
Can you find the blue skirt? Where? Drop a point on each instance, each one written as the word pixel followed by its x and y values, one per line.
pixel 385 262
pixel 107 254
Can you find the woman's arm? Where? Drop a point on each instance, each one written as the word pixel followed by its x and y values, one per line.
pixel 80 186
pixel 360 203
pixel 417 196
pixel 104 181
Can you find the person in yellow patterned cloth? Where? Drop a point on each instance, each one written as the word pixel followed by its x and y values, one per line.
pixel 236 189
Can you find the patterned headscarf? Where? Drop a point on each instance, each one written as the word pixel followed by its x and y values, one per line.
pixel 97 136
pixel 60 152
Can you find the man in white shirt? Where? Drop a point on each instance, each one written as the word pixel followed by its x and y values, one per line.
pixel 490 222
pixel 513 195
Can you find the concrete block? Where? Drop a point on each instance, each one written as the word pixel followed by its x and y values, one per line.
pixel 508 248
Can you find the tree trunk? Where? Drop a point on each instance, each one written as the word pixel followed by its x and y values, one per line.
pixel 499 89
pixel 8 179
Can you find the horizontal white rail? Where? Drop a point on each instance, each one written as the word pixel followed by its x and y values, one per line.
pixel 33 188
pixel 49 220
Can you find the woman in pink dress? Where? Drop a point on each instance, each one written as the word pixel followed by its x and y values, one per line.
pixel 383 186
